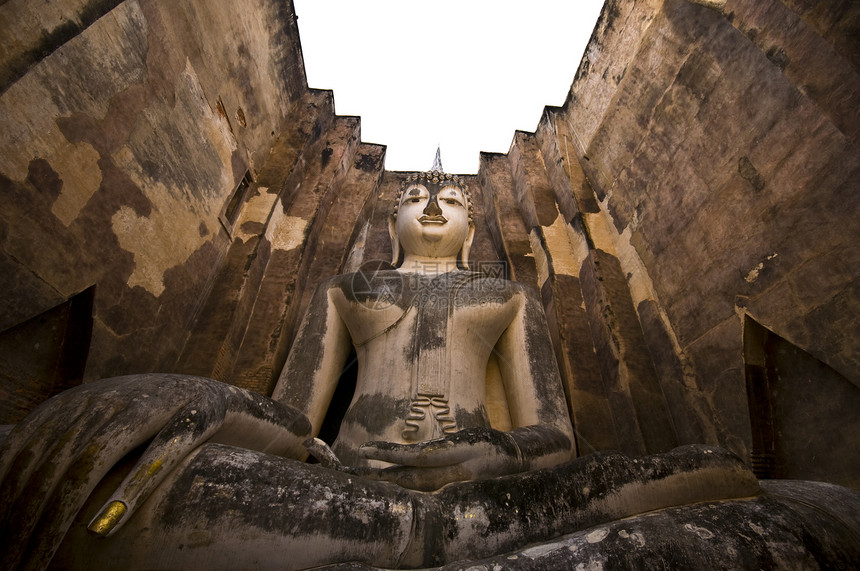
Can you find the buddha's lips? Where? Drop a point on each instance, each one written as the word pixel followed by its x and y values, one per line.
pixel 432 220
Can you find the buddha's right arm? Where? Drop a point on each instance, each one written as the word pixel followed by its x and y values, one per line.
pixel 317 357
pixel 52 461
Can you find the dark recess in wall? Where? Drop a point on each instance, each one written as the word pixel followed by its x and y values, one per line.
pixel 44 355
pixel 805 416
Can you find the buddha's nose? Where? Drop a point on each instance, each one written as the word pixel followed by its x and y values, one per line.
pixel 432 208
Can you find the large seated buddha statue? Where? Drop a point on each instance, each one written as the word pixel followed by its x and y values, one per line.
pixel 166 471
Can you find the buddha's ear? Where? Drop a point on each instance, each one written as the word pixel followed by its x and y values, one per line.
pixel 467 245
pixel 395 243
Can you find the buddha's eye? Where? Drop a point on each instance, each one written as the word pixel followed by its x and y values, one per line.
pixel 452 201
pixel 416 199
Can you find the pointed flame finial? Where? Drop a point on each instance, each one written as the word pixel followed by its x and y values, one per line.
pixel 437 162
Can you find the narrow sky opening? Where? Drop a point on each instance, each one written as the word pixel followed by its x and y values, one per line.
pixel 460 74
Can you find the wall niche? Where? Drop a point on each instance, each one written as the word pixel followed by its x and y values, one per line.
pixel 805 415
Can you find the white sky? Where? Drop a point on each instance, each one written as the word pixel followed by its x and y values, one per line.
pixel 463 74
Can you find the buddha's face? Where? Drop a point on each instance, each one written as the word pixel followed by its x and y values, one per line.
pixel 432 219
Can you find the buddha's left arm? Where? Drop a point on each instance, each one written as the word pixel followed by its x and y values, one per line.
pixel 539 416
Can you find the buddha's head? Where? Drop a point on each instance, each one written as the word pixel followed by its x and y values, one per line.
pixel 432 218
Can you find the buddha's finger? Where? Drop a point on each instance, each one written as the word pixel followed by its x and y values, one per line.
pixel 440 452
pixel 323 454
pixel 192 425
pixel 39 465
pixel 34 427
pixel 57 490
pixel 82 432
pixel 33 441
pixel 44 454
pixel 54 426
pixel 425 479
pixel 238 417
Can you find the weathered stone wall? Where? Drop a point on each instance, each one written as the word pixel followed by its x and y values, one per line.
pixel 720 139
pixel 548 227
pixel 125 127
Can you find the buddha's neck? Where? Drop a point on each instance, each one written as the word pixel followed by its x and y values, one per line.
pixel 428 265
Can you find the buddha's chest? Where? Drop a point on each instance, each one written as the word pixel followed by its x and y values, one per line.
pixel 421 314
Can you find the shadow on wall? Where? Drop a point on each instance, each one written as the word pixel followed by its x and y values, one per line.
pixel 805 416
pixel 44 355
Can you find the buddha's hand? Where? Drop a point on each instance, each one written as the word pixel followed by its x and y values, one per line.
pixel 53 459
pixel 470 454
